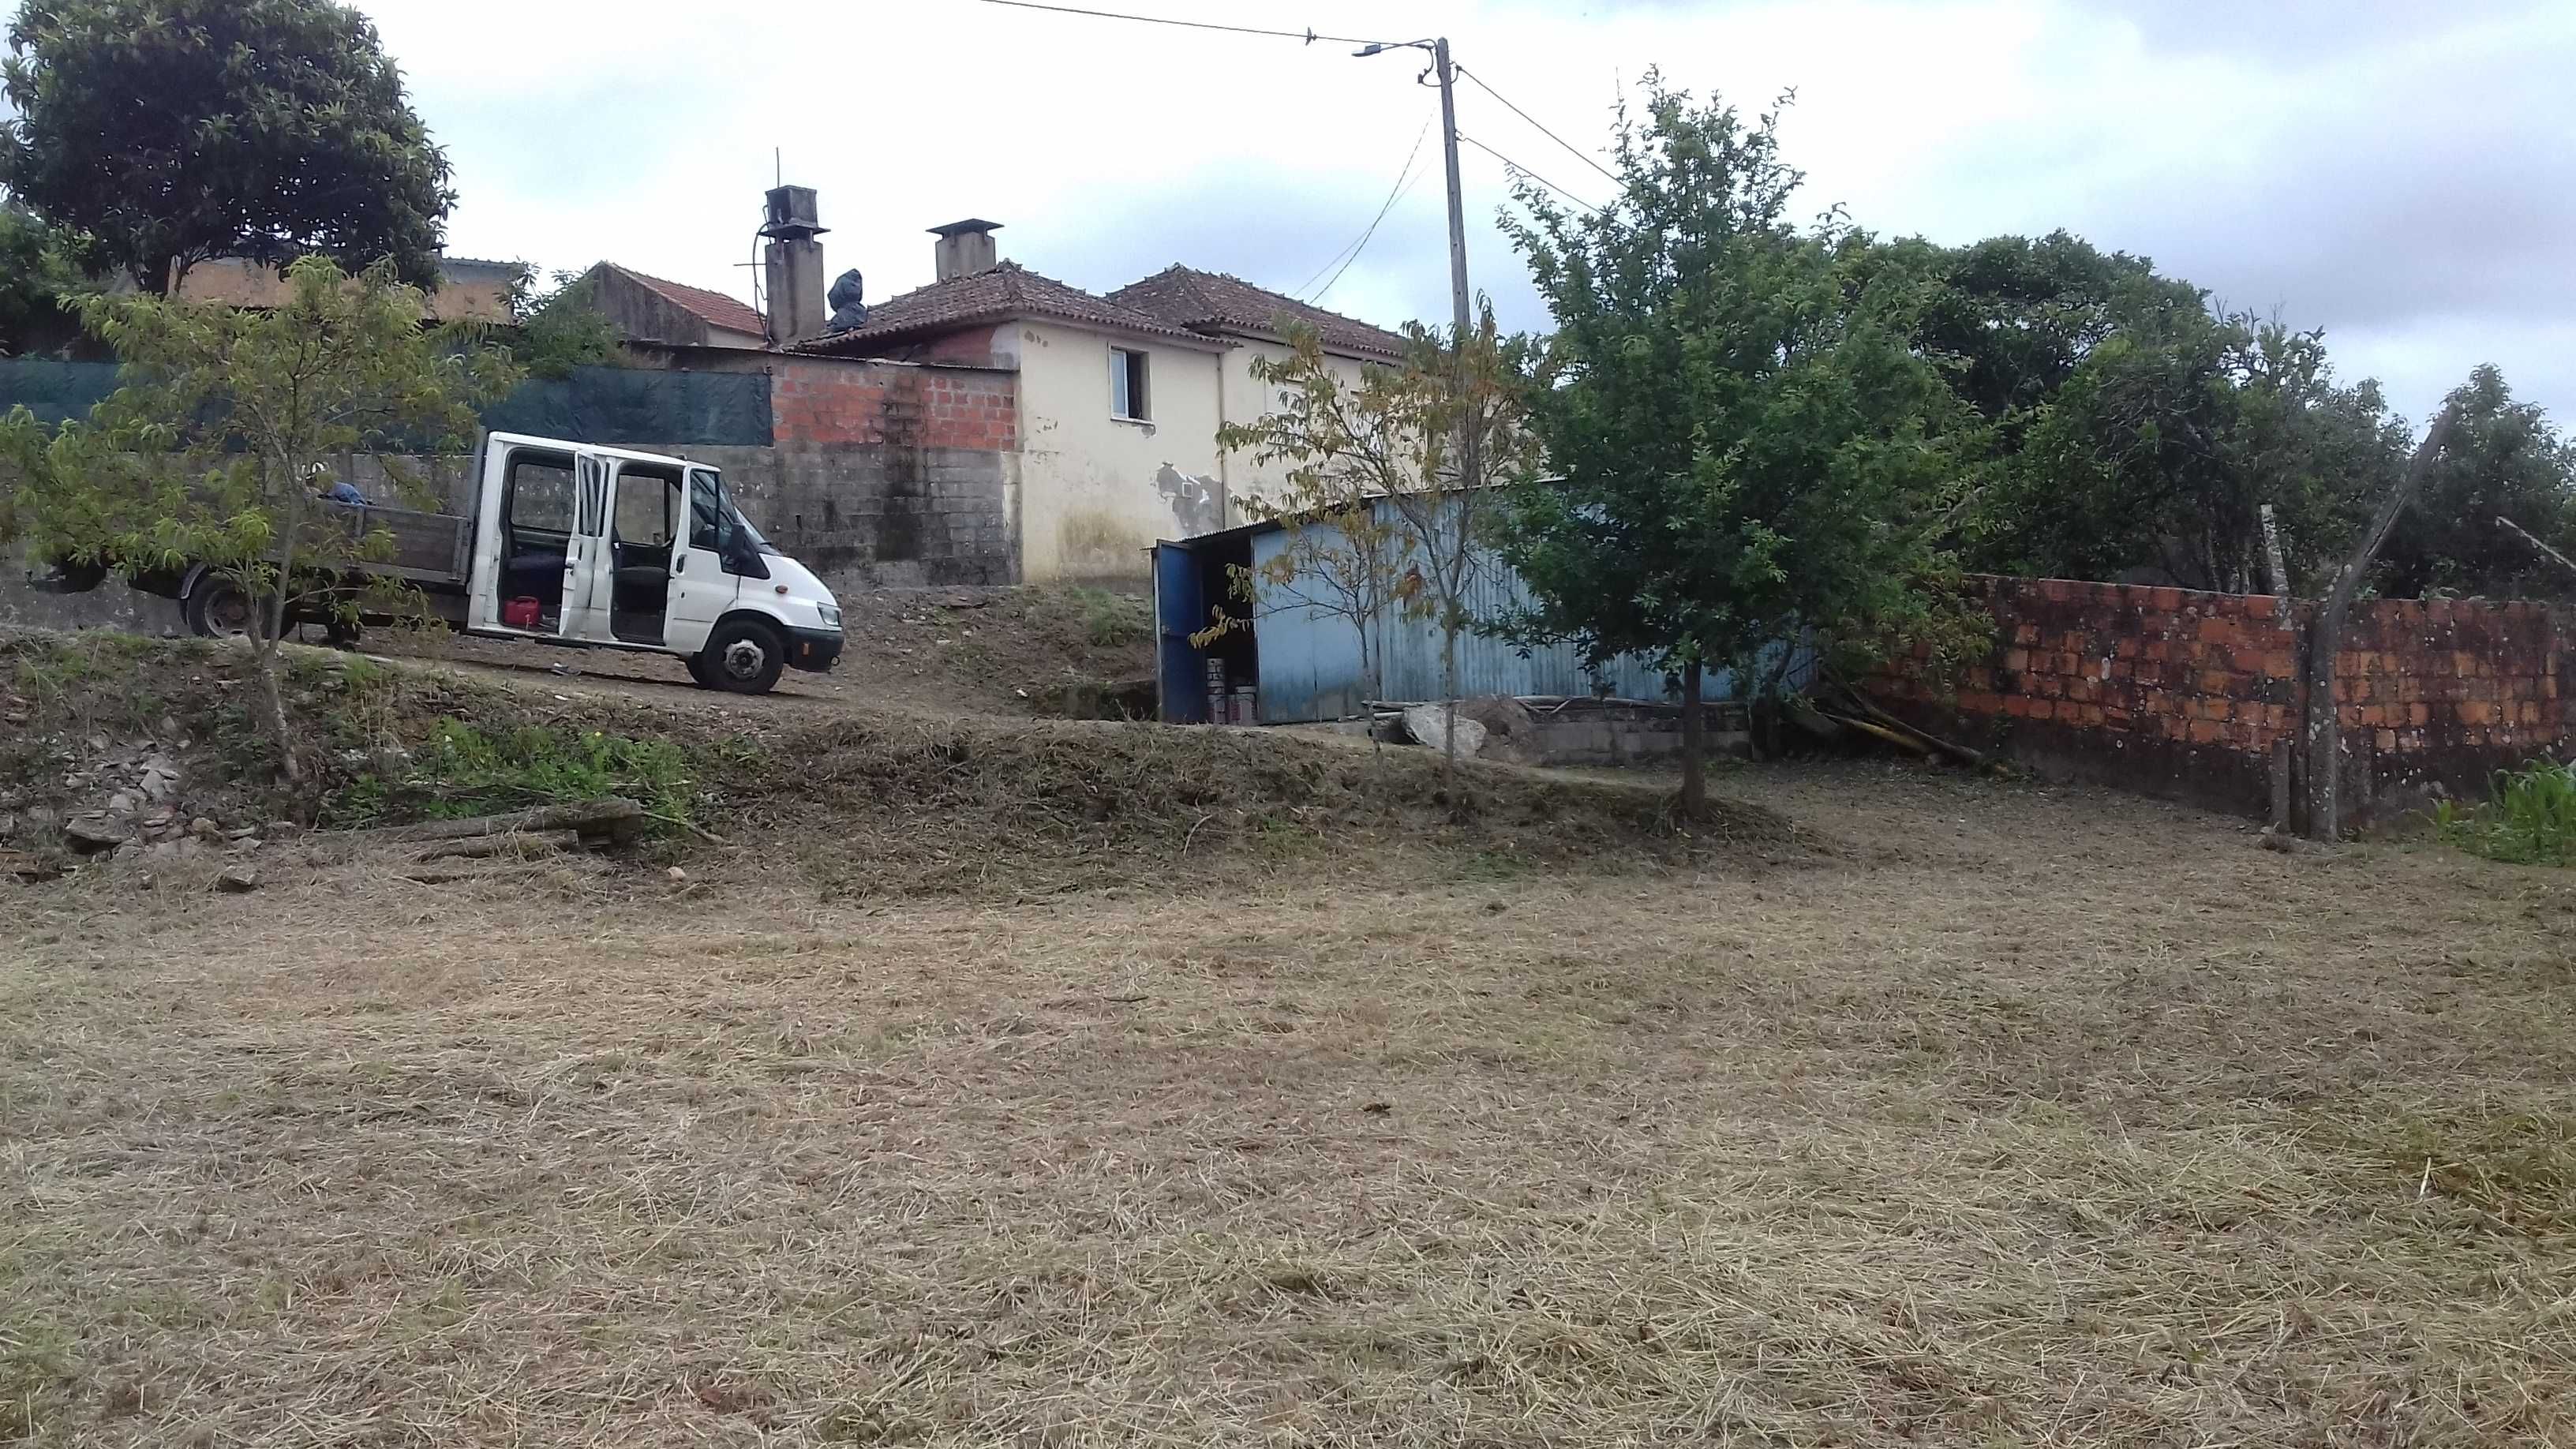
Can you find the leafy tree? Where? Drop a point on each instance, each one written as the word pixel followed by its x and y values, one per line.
pixel 1395 438
pixel 213 449
pixel 2166 439
pixel 39 265
pixel 556 329
pixel 1751 448
pixel 1341 557
pixel 2020 314
pixel 173 131
pixel 2502 459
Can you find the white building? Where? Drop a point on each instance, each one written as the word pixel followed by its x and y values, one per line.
pixel 1120 397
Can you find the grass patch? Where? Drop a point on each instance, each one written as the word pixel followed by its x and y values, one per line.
pixel 2529 817
pixel 1110 620
pixel 463 770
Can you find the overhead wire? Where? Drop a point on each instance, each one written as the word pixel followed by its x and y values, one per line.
pixel 1525 171
pixel 1403 183
pixel 1581 155
pixel 1308 36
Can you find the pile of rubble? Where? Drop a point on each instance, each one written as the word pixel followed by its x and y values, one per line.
pixel 137 807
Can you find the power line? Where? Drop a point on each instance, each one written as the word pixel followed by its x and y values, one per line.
pixel 1525 171
pixel 1308 36
pixel 1403 179
pixel 1585 157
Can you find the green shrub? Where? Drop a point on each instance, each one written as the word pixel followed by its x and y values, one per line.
pixel 1109 620
pixel 2529 817
pixel 462 770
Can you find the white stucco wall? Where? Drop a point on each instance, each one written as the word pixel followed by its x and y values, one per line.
pixel 1246 399
pixel 1096 491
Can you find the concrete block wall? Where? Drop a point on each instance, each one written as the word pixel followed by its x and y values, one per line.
pixel 2188 695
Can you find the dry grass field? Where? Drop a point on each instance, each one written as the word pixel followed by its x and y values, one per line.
pixel 2006 1116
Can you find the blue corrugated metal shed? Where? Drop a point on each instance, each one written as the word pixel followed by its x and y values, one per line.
pixel 1306 659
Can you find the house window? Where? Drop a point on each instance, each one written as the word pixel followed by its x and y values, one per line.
pixel 1127 398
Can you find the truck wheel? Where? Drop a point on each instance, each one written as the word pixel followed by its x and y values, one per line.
pixel 743 656
pixel 219 608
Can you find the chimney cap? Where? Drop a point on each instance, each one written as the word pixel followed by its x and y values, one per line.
pixel 962 228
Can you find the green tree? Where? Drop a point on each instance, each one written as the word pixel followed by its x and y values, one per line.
pixel 173 131
pixel 40 264
pixel 1750 449
pixel 212 450
pixel 556 329
pixel 2504 459
pixel 2018 314
pixel 2167 438
pixel 1393 441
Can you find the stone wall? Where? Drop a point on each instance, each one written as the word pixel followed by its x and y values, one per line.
pixel 2198 696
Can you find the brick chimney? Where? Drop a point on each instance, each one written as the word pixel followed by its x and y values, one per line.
pixel 965 247
pixel 793 264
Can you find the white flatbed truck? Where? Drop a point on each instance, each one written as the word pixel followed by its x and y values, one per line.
pixel 568 544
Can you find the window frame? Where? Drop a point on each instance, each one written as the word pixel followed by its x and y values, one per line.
pixel 1131 372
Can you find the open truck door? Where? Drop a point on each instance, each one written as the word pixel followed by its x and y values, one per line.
pixel 702 588
pixel 589 567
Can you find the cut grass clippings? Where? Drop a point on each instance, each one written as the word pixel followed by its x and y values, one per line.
pixel 1974 1141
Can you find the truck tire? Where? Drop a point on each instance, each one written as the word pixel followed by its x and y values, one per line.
pixel 743 656
pixel 219 608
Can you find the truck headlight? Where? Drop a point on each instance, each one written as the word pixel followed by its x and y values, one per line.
pixel 831 615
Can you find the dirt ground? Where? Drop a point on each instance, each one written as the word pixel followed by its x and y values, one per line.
pixel 938 652
pixel 2023 1116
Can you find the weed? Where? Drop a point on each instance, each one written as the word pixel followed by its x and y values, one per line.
pixel 1110 620
pixel 2529 817
pixel 463 770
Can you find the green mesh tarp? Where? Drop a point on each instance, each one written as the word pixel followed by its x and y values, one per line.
pixel 635 407
pixel 620 406
pixel 54 390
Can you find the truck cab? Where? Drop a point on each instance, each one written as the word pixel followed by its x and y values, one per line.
pixel 607 548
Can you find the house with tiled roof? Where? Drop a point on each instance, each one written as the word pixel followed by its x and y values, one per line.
pixel 468 290
pixel 1120 396
pixel 655 312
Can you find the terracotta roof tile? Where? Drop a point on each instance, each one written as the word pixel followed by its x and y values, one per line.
pixel 715 308
pixel 999 292
pixel 1215 302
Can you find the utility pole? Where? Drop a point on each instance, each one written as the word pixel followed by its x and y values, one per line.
pixel 1457 206
pixel 1441 67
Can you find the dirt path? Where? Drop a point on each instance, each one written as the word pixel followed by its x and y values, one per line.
pixel 2034 1116
pixel 950 651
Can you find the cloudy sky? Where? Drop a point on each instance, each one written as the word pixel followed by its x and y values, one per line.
pixel 2401 174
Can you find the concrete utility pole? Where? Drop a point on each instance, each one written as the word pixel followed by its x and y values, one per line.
pixel 1457 206
pixel 1470 445
pixel 1441 67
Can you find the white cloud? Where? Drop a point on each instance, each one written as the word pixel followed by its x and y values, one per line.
pixel 2399 176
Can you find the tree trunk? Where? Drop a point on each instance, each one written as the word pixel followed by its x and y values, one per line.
pixel 265 638
pixel 1449 689
pixel 273 703
pixel 2324 724
pixel 1694 745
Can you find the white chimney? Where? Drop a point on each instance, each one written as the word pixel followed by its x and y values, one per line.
pixel 965 247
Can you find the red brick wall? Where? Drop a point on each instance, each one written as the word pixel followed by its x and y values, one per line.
pixel 2185 694
pixel 825 400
